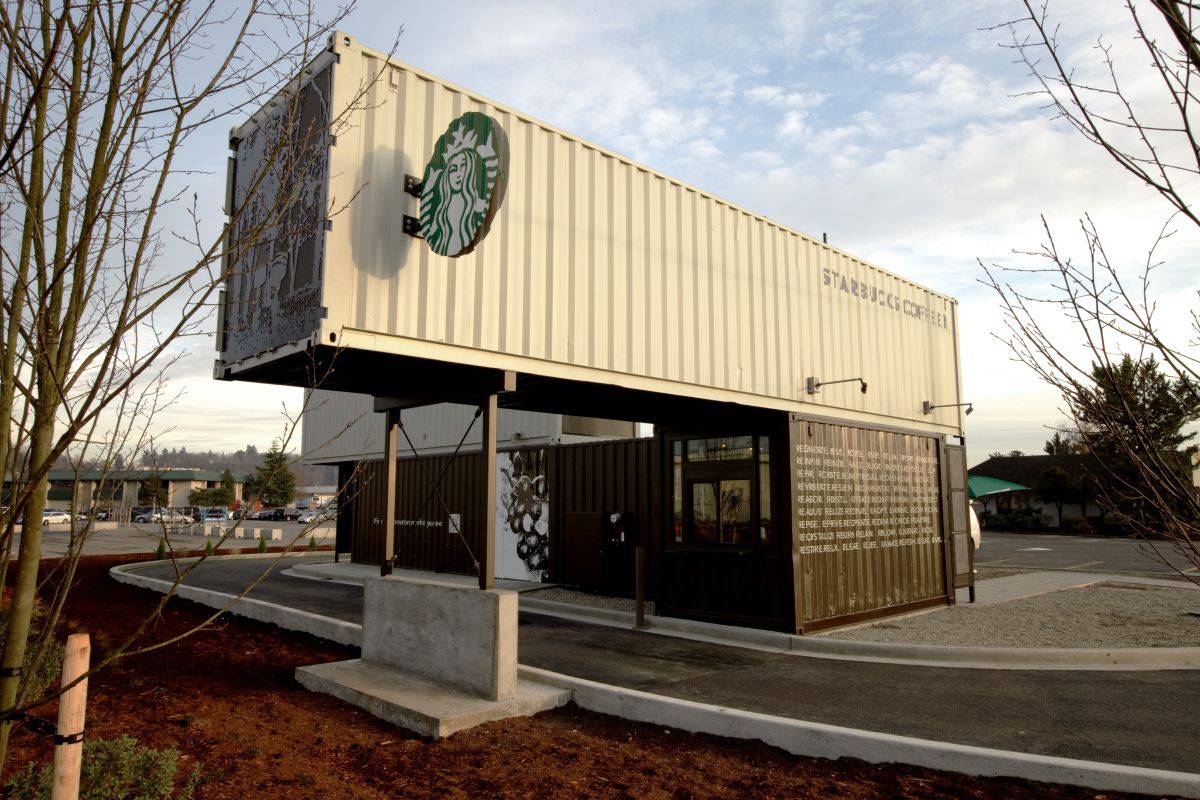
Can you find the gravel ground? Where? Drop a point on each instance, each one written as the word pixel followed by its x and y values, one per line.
pixel 559 595
pixel 1100 615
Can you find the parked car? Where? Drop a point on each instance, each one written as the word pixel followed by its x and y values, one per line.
pixel 52 517
pixel 313 515
pixel 163 515
pixel 262 513
pixel 976 534
pixel 213 514
pixel 238 513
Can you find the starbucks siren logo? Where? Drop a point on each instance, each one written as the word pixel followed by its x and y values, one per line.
pixel 464 184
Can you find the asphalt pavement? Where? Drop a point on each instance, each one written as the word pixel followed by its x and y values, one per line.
pixel 1143 718
pixel 1084 553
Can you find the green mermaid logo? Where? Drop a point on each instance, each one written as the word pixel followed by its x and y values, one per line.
pixel 464 184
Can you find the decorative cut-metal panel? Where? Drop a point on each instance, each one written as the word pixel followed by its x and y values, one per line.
pixel 278 214
pixel 867 528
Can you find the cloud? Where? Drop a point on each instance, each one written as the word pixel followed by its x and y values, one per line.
pixel 900 129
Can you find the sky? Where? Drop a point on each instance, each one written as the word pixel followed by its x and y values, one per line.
pixel 902 130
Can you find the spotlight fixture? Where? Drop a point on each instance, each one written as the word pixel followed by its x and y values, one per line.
pixel 927 407
pixel 812 385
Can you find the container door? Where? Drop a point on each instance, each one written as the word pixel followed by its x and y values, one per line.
pixel 958 516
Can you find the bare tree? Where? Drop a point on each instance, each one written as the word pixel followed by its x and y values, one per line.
pixel 1112 309
pixel 108 268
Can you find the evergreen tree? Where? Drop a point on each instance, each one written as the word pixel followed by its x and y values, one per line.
pixel 1130 412
pixel 1064 445
pixel 273 481
pixel 1134 401
pixel 228 488
pixel 152 492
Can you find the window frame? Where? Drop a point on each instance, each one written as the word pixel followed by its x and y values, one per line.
pixel 714 471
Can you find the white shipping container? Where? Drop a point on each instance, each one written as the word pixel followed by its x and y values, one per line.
pixel 596 269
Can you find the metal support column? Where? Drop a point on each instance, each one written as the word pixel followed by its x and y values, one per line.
pixel 391 454
pixel 487 556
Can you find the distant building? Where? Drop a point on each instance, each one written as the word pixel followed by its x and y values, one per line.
pixel 315 496
pixel 1027 471
pixel 119 488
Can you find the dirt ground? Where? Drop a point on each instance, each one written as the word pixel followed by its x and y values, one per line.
pixel 226 699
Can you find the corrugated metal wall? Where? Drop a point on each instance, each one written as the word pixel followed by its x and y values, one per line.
pixel 597 268
pixel 602 476
pixel 866 519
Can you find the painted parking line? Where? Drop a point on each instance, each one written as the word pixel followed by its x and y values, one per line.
pixel 1085 564
pixel 1036 549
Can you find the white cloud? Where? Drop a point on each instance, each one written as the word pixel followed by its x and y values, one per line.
pixel 897 128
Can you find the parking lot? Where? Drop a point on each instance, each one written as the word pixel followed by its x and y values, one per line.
pixel 1083 553
pixel 144 538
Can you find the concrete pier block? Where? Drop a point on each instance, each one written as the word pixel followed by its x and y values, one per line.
pixel 459 636
pixel 273 534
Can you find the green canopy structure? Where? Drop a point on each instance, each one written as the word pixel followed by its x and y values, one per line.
pixel 983 486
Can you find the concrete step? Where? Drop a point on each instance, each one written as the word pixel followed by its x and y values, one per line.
pixel 420 705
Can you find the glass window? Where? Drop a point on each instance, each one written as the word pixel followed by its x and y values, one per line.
pixel 724 448
pixel 735 512
pixel 764 503
pixel 706 524
pixel 677 489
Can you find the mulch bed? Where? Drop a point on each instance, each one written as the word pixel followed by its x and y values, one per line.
pixel 226 699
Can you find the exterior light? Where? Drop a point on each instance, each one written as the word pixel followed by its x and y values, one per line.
pixel 812 385
pixel 927 407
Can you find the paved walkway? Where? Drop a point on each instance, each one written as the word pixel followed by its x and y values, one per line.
pixel 1138 718
pixel 1028 584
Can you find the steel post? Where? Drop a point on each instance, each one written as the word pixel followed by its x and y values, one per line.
pixel 487 556
pixel 391 454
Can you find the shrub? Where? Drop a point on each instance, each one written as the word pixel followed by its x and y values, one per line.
pixel 208 547
pixel 262 545
pixel 113 769
pixel 160 552
pixel 1022 519
pixel 1080 525
pixel 312 543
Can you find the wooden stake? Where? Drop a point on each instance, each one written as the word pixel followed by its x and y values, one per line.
pixel 71 708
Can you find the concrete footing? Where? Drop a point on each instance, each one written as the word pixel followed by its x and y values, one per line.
pixel 438 657
pixel 420 705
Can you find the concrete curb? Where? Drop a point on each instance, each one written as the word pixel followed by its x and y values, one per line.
pixel 292 619
pixel 1023 658
pixel 795 736
pixel 830 741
